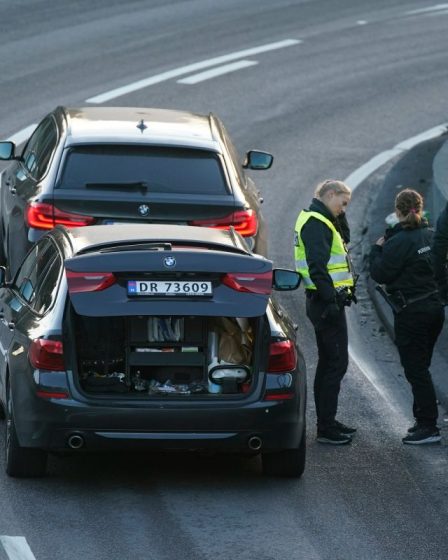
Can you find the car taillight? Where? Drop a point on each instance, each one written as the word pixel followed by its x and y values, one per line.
pixel 279 396
pixel 46 354
pixel 40 215
pixel 245 222
pixel 52 394
pixel 79 282
pixel 282 356
pixel 245 282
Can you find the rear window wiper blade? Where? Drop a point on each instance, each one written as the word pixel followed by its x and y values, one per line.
pixel 136 185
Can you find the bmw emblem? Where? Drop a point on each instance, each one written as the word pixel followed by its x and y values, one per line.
pixel 169 262
pixel 143 210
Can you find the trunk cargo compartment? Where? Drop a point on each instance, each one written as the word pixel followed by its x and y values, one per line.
pixel 146 357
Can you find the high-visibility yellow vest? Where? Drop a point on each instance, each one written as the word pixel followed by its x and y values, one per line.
pixel 338 265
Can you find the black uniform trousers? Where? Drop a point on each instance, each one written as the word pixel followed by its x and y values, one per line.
pixel 332 346
pixel 416 333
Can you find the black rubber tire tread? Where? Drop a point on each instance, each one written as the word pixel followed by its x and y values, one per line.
pixel 21 462
pixel 287 463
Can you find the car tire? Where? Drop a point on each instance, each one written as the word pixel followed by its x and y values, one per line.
pixel 286 463
pixel 20 462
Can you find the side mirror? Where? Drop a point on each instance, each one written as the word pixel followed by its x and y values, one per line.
pixel 258 160
pixel 7 150
pixel 284 280
pixel 2 276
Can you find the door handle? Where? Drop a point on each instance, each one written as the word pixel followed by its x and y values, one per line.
pixel 11 186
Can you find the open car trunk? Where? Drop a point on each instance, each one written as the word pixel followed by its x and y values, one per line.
pixel 145 357
pixel 167 319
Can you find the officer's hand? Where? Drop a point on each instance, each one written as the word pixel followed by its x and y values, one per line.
pixel 332 312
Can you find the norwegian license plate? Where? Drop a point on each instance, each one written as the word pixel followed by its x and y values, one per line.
pixel 169 288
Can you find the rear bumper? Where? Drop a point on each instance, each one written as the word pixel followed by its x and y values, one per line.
pixel 49 425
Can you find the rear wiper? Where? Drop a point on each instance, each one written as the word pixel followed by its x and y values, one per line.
pixel 138 247
pixel 137 185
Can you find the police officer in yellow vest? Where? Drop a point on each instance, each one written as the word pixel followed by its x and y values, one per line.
pixel 322 259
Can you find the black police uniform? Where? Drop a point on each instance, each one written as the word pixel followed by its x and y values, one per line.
pixel 440 253
pixel 326 312
pixel 404 264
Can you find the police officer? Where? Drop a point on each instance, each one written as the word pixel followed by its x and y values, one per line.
pixel 402 260
pixel 322 260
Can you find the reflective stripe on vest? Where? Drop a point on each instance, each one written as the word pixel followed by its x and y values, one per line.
pixel 338 266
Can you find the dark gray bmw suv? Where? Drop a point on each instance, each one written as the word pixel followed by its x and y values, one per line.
pixel 104 165
pixel 153 337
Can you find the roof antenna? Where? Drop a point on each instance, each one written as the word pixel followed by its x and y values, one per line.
pixel 142 126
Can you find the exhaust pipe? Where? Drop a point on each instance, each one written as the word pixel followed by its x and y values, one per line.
pixel 75 441
pixel 255 443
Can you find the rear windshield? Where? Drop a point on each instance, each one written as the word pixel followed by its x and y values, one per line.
pixel 172 170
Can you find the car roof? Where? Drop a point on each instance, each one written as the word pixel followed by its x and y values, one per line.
pixel 88 238
pixel 139 125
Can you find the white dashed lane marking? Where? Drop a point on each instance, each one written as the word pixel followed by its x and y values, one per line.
pixel 208 74
pixel 182 70
pixel 17 548
pixel 421 11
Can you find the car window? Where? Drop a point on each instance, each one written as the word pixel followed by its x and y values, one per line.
pixel 35 263
pixel 47 285
pixel 37 153
pixel 170 170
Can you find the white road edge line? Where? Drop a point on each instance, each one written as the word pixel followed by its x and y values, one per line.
pixel 182 70
pixel 209 74
pixel 426 10
pixel 17 548
pixel 441 13
pixel 359 175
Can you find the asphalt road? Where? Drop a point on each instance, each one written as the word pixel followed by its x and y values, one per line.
pixel 365 76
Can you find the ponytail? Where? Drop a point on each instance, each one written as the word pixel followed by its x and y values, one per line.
pixel 410 205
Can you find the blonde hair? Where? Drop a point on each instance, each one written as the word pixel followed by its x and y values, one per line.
pixel 337 187
pixel 410 205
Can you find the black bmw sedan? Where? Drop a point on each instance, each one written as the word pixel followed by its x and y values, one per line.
pixel 149 336
pixel 103 165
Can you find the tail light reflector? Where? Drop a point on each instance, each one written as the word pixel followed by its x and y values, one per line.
pixel 279 397
pixel 46 354
pixel 282 356
pixel 79 282
pixel 245 222
pixel 52 395
pixel 40 215
pixel 249 282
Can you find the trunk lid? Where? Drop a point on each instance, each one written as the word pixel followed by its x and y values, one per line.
pixel 160 279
